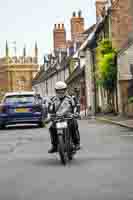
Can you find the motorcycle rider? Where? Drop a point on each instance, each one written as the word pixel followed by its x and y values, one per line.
pixel 62 104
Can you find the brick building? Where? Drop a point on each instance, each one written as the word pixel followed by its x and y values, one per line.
pixel 100 4
pixel 122 22
pixel 121 32
pixel 120 18
pixel 122 37
pixel 125 78
pixel 16 73
pixel 77 27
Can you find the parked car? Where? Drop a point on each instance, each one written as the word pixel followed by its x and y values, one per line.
pixel 21 107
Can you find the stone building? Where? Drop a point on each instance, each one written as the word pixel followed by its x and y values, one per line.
pixel 16 73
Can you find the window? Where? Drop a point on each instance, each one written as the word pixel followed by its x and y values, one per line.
pixel 19 99
pixel 131 69
pixel 20 83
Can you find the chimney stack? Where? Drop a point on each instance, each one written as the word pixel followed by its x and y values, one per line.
pixel 79 13
pixel 59 36
pixel 100 5
pixel 77 26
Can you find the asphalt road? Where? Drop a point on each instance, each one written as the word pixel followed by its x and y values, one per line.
pixel 101 170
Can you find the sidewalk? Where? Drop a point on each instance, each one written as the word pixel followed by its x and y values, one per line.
pixel 118 120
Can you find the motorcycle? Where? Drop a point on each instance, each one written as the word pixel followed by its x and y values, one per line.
pixel 65 146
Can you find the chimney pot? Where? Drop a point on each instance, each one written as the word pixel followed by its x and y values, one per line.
pixel 79 13
pixel 63 26
pixel 55 26
pixel 59 26
pixel 74 14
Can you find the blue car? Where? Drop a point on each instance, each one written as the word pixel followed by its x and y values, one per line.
pixel 21 108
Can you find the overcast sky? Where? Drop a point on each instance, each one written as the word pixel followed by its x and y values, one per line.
pixel 25 21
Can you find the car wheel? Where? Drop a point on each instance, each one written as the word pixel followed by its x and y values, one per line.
pixel 2 126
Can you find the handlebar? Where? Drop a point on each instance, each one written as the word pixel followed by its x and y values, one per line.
pixel 66 116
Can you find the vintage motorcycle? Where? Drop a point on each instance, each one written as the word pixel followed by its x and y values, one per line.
pixel 65 146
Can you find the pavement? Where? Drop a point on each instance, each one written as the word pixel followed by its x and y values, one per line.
pixel 117 119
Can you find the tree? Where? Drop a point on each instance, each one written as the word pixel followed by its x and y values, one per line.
pixel 107 69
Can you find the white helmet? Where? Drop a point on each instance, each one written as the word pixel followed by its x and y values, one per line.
pixel 60 85
pixel 60 88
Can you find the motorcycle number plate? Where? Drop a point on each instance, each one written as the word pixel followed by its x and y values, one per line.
pixel 61 125
pixel 60 132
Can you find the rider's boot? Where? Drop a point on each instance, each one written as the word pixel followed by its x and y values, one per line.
pixel 76 140
pixel 53 148
pixel 77 146
pixel 76 135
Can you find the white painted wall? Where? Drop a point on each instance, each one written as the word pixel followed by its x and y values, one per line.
pixel 82 62
pixel 123 71
pixel 41 87
pixel 124 61
pixel 88 79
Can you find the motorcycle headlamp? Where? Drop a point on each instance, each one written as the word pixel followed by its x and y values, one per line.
pixel 61 125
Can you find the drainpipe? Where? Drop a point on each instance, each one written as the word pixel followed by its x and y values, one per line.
pixel 93 83
pixel 117 106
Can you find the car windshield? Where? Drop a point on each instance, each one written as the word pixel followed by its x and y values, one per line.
pixel 19 99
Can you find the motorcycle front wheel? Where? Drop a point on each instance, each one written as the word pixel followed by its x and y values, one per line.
pixel 61 149
pixel 69 147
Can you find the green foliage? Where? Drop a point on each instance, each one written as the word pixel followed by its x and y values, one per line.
pixel 130 100
pixel 105 46
pixel 106 66
pixel 71 63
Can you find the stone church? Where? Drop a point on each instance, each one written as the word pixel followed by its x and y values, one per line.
pixel 16 73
